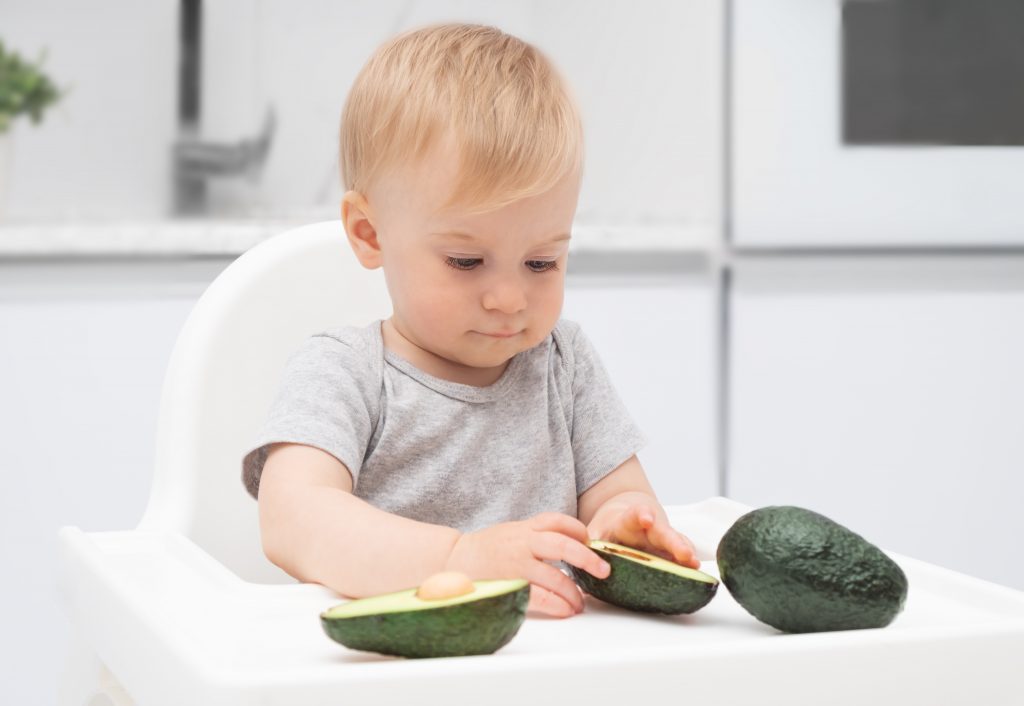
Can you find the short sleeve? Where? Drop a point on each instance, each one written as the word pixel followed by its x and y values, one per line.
pixel 326 399
pixel 604 434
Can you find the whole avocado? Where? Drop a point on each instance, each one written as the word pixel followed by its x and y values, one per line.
pixel 799 571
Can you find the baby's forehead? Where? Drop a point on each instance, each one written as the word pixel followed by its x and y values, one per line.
pixel 428 198
pixel 524 237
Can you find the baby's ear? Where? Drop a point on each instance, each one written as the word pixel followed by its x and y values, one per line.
pixel 362 235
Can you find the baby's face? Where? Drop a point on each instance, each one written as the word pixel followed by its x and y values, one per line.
pixel 474 289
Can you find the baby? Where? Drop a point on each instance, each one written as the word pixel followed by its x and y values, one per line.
pixel 473 430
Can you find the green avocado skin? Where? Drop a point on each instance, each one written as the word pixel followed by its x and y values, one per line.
pixel 473 628
pixel 799 571
pixel 642 588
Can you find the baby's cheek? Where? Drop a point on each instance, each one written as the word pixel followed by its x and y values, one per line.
pixel 435 307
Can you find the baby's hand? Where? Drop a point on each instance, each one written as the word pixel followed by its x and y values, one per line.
pixel 643 528
pixel 520 550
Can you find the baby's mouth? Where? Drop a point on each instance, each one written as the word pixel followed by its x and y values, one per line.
pixel 500 334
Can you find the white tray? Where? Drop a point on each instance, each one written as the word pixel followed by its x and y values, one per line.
pixel 176 627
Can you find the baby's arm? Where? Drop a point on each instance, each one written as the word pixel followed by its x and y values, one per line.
pixel 316 530
pixel 622 508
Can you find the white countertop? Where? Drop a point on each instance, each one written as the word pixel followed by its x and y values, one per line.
pixel 228 238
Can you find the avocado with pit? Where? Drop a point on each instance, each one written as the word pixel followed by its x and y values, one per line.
pixel 799 571
pixel 647 583
pixel 404 624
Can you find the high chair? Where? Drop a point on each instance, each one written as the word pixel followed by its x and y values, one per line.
pixel 223 373
pixel 185 608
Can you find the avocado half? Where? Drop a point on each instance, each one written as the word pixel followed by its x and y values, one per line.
pixel 799 571
pixel 645 582
pixel 404 625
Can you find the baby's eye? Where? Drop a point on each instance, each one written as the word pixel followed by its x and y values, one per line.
pixel 462 263
pixel 542 265
pixel 469 263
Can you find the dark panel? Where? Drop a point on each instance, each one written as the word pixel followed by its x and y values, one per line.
pixel 940 72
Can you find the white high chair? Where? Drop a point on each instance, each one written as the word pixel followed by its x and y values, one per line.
pixel 185 609
pixel 223 373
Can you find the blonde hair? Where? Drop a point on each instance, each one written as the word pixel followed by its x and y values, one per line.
pixel 516 125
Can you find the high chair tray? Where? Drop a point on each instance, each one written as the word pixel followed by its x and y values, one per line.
pixel 175 627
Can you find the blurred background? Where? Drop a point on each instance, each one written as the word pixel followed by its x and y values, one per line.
pixel 799 246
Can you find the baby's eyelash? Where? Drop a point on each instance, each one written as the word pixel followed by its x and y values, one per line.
pixel 462 263
pixel 545 265
pixel 469 263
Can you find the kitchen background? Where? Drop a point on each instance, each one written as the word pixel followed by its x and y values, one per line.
pixel 804 299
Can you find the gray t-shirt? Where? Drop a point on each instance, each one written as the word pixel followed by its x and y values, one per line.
pixel 446 453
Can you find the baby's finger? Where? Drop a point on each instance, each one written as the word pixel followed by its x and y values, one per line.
pixel 645 516
pixel 557 522
pixel 680 548
pixel 552 546
pixel 631 527
pixel 636 519
pixel 545 602
pixel 550 578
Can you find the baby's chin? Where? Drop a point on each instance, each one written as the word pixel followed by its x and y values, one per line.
pixel 483 361
pixel 490 354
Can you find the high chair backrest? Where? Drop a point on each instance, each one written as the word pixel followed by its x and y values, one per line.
pixel 224 371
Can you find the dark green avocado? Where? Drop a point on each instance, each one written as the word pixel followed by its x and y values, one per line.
pixel 402 624
pixel 799 571
pixel 645 582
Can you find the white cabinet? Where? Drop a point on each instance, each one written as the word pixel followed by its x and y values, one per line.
pixel 887 394
pixel 83 350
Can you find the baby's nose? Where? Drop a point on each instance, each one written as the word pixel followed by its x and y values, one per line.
pixel 507 297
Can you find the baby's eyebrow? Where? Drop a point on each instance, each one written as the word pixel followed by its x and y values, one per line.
pixel 467 236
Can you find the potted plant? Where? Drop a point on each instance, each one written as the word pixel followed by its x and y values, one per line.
pixel 24 90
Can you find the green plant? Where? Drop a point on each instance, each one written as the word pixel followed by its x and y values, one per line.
pixel 24 89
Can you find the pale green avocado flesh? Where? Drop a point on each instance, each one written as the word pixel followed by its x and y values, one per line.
pixel 647 583
pixel 404 625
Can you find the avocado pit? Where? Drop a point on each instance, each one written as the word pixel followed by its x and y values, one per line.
pixel 446 584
